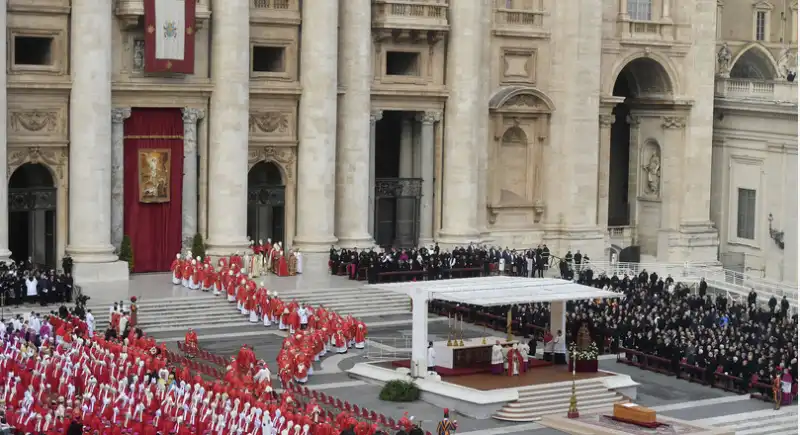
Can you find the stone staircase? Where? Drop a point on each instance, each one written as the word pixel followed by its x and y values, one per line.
pixel 764 422
pixel 203 310
pixel 537 401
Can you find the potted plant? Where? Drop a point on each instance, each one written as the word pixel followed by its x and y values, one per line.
pixel 126 252
pixel 585 360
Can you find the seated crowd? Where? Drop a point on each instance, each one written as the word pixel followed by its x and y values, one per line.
pixel 659 317
pixel 430 263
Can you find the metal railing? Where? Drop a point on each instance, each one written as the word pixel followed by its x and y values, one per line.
pixel 734 283
pixel 388 348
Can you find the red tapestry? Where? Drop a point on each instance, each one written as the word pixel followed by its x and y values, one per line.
pixel 153 227
pixel 169 36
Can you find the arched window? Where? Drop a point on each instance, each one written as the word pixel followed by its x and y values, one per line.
pixel 754 65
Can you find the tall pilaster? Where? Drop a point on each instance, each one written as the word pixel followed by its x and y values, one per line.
pixel 606 121
pixel 427 162
pixel 118 117
pixel 374 117
pixel 465 82
pixel 5 254
pixel 354 147
pixel 90 139
pixel 228 119
pixel 316 172
pixel 191 117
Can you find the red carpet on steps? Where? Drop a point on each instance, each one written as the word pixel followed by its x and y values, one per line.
pixel 443 371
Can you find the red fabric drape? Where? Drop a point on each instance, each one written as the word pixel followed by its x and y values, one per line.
pixel 154 229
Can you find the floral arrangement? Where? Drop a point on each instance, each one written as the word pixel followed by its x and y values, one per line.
pixel 589 354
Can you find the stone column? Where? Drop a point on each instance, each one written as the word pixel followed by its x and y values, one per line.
pixel 404 210
pixel 374 117
pixel 90 139
pixel 190 180
pixel 316 172
pixel 5 254
pixel 606 121
pixel 228 121
pixel 352 172
pixel 427 160
pixel 665 10
pixel 118 117
pixel 623 8
pixel 461 185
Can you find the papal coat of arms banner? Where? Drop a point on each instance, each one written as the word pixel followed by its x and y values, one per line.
pixel 169 36
pixel 154 174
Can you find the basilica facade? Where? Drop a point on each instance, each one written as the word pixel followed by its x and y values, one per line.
pixel 660 130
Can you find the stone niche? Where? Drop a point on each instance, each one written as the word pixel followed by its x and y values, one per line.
pixel 520 119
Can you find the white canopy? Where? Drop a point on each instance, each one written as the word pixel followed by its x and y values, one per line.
pixel 499 290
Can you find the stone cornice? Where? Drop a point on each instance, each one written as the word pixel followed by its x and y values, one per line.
pixel 756 108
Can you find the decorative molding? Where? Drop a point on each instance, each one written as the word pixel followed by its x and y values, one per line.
pixel 607 120
pixel 34 121
pixel 120 114
pixel 375 116
pixel 429 117
pixel 633 120
pixel 285 157
pixel 673 122
pixel 138 56
pixel 192 115
pixel 269 122
pixel 525 100
pixel 763 5
pixel 54 158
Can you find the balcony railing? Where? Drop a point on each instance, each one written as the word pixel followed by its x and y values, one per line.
pixel 762 90
pixel 516 22
pixel 275 11
pixel 645 31
pixel 410 14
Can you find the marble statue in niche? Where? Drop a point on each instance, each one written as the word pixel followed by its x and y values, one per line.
pixel 724 56
pixel 652 172
pixel 138 55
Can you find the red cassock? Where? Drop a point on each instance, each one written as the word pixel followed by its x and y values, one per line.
pixel 294 320
pixel 361 333
pixel 187 271
pixel 283 266
pixel 175 268
pixel 514 355
pixel 209 279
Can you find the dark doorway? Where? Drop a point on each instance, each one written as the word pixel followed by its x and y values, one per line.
pixel 397 189
pixel 619 203
pixel 266 203
pixel 32 199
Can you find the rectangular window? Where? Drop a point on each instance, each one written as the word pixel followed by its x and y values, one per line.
pixel 402 63
pixel 640 10
pixel 746 214
pixel 33 50
pixel 269 59
pixel 761 25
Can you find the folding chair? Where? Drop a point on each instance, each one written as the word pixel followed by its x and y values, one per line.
pixel 322 396
pixel 314 394
pixel 355 409
pixel 373 416
pixel 364 413
pixel 330 400
pixel 338 403
pixel 347 406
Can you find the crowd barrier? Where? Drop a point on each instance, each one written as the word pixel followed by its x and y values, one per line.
pixel 693 373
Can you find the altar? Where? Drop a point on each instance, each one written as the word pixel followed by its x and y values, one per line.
pixel 472 354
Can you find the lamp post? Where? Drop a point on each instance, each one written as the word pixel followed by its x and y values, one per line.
pixel 573 399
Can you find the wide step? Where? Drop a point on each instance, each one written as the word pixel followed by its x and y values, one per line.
pixel 538 401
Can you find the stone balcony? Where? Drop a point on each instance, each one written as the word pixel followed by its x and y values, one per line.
pixel 756 90
pixel 411 19
pixel 645 32
pixel 129 12
pixel 520 23
pixel 275 11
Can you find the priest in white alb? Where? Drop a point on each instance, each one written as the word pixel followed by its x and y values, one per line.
pixel 497 358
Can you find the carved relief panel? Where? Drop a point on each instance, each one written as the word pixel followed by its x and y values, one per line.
pixel 284 157
pixel 34 121
pixel 518 65
pixel 54 158
pixel 273 122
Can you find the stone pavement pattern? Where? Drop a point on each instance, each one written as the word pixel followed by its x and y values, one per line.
pixel 175 308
